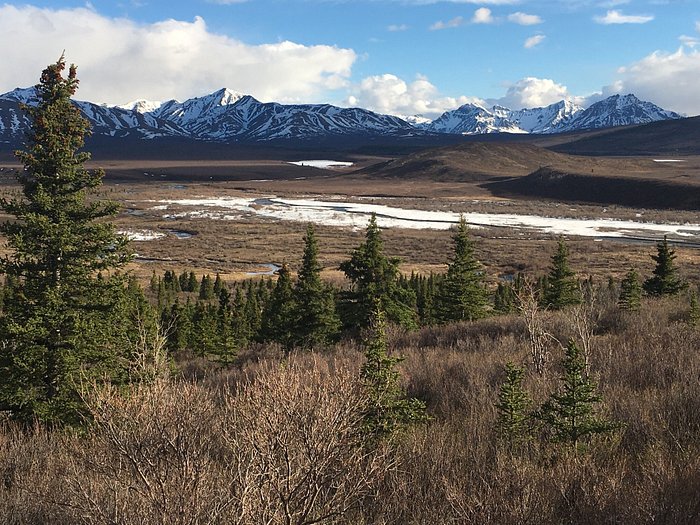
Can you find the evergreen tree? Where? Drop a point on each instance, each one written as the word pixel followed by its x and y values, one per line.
pixel 570 413
pixel 58 325
pixel 630 292
pixel 206 288
pixel 561 288
pixel 388 409
pixel 192 283
pixel 512 424
pixel 317 322
pixel 374 278
pixel 278 322
pixel 462 295
pixel 665 279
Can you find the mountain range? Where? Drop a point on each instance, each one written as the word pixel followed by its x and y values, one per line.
pixel 228 116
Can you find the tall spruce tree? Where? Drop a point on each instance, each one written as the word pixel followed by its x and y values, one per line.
pixel 317 323
pixel 57 329
pixel 561 288
pixel 665 279
pixel 462 295
pixel 374 278
pixel 278 321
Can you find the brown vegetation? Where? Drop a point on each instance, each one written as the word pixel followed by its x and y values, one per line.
pixel 275 441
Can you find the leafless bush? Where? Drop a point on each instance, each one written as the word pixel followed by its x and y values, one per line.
pixel 306 460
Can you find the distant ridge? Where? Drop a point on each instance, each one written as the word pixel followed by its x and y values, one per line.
pixel 231 117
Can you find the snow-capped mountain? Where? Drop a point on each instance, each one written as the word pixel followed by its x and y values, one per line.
pixel 618 110
pixel 472 119
pixel 563 116
pixel 226 115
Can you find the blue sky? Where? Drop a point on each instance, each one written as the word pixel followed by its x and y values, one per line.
pixel 402 57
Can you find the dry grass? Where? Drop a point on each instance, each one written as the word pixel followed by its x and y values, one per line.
pixel 273 441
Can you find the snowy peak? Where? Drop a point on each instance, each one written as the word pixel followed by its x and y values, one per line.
pixel 619 110
pixel 563 116
pixel 141 106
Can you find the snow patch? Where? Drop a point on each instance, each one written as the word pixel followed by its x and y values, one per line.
pixel 141 235
pixel 322 164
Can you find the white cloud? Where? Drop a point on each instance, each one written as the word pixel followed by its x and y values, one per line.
pixel 394 28
pixel 119 60
pixel 524 19
pixel 667 79
pixel 394 96
pixel 532 92
pixel 483 16
pixel 455 22
pixel 616 17
pixel 533 41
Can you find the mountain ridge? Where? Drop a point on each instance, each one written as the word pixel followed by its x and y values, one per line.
pixel 230 116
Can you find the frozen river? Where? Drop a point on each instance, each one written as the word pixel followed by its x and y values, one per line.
pixel 356 215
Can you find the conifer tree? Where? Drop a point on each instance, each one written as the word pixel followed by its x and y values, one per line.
pixel 665 279
pixel 630 292
pixel 374 278
pixel 570 414
pixel 192 283
pixel 512 423
pixel 58 324
pixel 206 288
pixel 388 409
pixel 561 288
pixel 316 323
pixel 278 322
pixel 462 295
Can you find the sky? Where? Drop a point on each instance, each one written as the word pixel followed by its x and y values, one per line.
pixel 402 57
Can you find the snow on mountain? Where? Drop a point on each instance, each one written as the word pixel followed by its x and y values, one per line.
pixel 472 119
pixel 227 115
pixel 141 106
pixel 618 110
pixel 549 119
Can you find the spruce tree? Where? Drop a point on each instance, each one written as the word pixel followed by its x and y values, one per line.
pixel 665 279
pixel 630 292
pixel 512 423
pixel 58 328
pixel 462 295
pixel 278 322
pixel 561 288
pixel 570 414
pixel 317 323
pixel 388 409
pixel 374 278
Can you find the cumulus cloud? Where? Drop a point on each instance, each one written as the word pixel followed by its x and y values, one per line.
pixel 616 17
pixel 524 19
pixel 483 16
pixel 455 22
pixel 533 41
pixel 667 79
pixel 120 60
pixel 532 92
pixel 394 96
pixel 394 28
